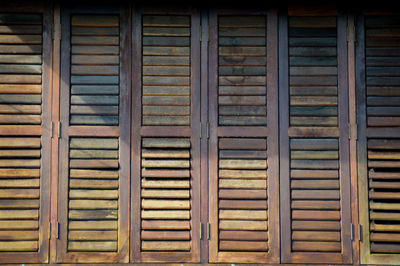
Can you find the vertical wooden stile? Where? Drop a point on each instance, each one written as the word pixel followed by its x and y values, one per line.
pixel 55 118
pixel 204 136
pixel 353 136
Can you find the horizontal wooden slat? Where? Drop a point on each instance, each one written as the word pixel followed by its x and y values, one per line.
pixel 98 246
pixel 165 245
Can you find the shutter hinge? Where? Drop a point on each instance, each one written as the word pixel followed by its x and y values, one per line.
pixel 59 130
pixel 356 129
pixel 208 231
pixel 351 131
pixel 55 32
pixel 360 233
pixel 201 231
pixel 49 230
pixel 51 129
pixel 208 130
pixel 200 33
pixel 351 232
pixel 355 33
pixel 57 230
pixel 349 126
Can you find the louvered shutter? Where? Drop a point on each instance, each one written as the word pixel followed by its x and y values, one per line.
pixel 244 215
pixel 314 152
pixel 378 69
pixel 94 145
pixel 165 127
pixel 24 136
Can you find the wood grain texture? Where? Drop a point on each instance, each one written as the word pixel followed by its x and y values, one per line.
pixel 377 157
pixel 240 144
pixel 25 161
pixel 165 128
pixel 314 169
pixel 94 161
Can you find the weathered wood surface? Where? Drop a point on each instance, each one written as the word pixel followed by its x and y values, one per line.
pixel 165 201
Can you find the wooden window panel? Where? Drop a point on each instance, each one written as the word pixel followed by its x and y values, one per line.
pixel 314 147
pixel 95 142
pixel 243 145
pixel 165 220
pixel 25 45
pixel 377 99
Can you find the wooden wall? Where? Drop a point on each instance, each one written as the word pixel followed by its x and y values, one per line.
pixel 184 134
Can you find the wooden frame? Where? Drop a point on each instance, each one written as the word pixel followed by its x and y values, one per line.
pixel 43 131
pixel 270 132
pixel 121 131
pixel 139 132
pixel 341 133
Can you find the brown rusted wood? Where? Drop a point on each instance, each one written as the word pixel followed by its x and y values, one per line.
pixel 241 143
pixel 136 71
pixel 34 244
pixel 312 138
pixel 235 184
pixel 362 143
pixel 378 133
pixel 154 143
pixel 284 151
pixel 100 145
